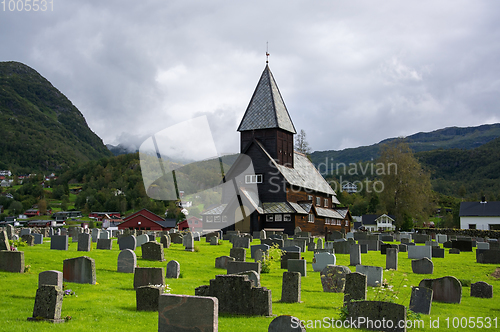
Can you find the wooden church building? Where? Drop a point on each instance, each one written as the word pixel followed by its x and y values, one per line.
pixel 285 190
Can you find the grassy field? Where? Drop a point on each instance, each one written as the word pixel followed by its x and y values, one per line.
pixel 110 304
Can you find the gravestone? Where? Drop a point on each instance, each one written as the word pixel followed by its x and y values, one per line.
pixel 299 242
pixel 462 245
pixel 355 287
pixel 421 300
pixel 51 278
pixel 373 245
pixel 10 231
pixel 80 270
pixel 238 266
pixel 12 261
pixel 364 248
pixel 144 276
pixel 286 323
pixel 127 261
pixel 4 241
pixel 221 262
pixel 385 237
pixel 165 240
pixel 374 274
pixel 187 313
pixel 128 242
pixel 141 239
pixel 391 259
pixel 343 247
pixel 355 255
pixel 105 235
pixel 176 238
pixel 262 235
pixel 272 242
pixel 25 231
pixel 441 238
pixel 319 245
pixel 241 242
pixel 147 297
pixel 59 242
pixel 483 245
pixel 291 249
pixel 84 242
pixel 259 255
pixel 311 246
pixel 418 252
pixel 173 270
pixel 334 235
pixel 286 256
pixel 422 266
pixel 437 252
pixel 253 276
pixel 253 249
pixel 297 265
pixel 402 248
pixel 48 304
pixel 421 238
pixel 153 251
pixel 104 244
pixel 188 242
pixel 481 289
pixel 38 238
pixel 377 315
pixel 214 240
pixel 454 251
pixel 234 292
pixel 95 234
pixel 152 237
pixel 333 278
pixel 210 235
pixel 290 288
pixel 321 260
pixel 445 289
pixel 491 256
pixel 238 253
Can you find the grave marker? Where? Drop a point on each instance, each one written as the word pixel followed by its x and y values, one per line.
pixel 127 261
pixel 290 288
pixel 421 300
pixel 173 269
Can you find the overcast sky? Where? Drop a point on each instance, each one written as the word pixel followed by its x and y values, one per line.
pixel 351 73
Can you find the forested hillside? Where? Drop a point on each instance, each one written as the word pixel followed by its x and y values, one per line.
pixel 40 129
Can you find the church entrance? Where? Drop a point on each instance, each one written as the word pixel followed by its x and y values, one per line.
pixel 242 222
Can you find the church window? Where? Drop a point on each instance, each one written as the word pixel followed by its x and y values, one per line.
pixel 210 218
pixel 278 217
pixel 257 178
pixel 216 218
pixel 318 201
pixel 326 202
pixel 269 217
pixel 311 218
pixel 287 217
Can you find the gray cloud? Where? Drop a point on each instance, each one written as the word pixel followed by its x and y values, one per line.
pixel 351 72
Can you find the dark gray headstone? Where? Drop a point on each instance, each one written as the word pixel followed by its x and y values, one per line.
pixel 298 265
pixel 237 267
pixel 481 289
pixel 4 241
pixel 48 304
pixel 286 323
pixel 355 287
pixel 421 300
pixel 253 249
pixel 290 288
pixel 84 242
pixel 238 253
pixel 80 270
pixel 147 297
pixel 176 238
pixel 377 312
pixel 422 266
pixel 462 245
pixel 51 278
pixel 165 240
pixel 104 244
pixel 127 242
pixel 221 262
pixel 127 261
pixel 59 242
pixel 454 251
pixel 144 276
pixel 445 289
pixel 173 269
pixel 491 256
pixel 253 276
pixel 374 274
pixel 175 313
pixel 333 278
pixel 12 261
pixel 437 252
pixel 153 251
pixel 391 259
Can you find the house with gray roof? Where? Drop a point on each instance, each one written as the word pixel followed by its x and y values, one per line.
pixel 480 215
pixel 283 190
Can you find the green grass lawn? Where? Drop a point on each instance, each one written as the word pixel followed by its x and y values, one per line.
pixel 110 304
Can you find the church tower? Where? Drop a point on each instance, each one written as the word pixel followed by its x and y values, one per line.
pixel 267 120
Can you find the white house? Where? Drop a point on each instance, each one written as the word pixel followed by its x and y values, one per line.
pixel 349 187
pixel 480 215
pixel 375 222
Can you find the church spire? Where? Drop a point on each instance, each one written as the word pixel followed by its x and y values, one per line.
pixel 266 109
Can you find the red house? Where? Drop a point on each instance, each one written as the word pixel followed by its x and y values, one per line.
pixel 147 220
pixel 193 223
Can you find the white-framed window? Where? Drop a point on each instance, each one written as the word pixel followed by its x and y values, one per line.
pixel 326 202
pixel 216 218
pixel 287 217
pixel 309 197
pixel 224 218
pixel 257 178
pixel 210 218
pixel 318 201
pixel 347 222
pixel 269 217
pixel 327 221
pixel 310 218
pixel 278 217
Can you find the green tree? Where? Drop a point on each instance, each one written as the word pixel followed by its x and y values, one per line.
pixel 407 190
pixel 16 207
pixel 301 144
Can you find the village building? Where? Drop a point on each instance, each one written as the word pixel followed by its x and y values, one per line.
pixel 290 191
pixel 480 215
pixel 377 222
pixel 147 220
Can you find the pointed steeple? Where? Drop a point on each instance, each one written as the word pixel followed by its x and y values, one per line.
pixel 266 109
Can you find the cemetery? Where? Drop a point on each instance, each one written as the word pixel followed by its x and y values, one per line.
pixel 196 286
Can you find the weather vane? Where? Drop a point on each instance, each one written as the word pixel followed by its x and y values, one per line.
pixel 267 52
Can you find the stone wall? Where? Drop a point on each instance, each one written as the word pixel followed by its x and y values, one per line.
pixel 461 232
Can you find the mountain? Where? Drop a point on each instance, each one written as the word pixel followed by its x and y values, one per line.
pixel 120 149
pixel 448 138
pixel 40 129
